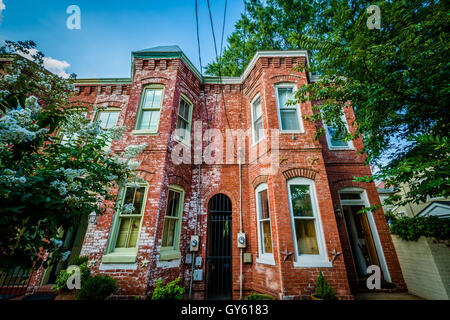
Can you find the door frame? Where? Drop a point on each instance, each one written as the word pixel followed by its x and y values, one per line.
pixel 373 228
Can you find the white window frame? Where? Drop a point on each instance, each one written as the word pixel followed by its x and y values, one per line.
pixel 349 145
pixel 187 139
pixel 297 107
pixel 309 260
pixel 364 201
pixel 264 258
pixel 252 112
pixel 137 130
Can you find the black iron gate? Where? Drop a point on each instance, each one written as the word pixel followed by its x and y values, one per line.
pixel 218 258
pixel 14 282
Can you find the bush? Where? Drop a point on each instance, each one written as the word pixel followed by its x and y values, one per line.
pixel 79 260
pixel 98 287
pixel 171 291
pixel 412 229
pixel 323 289
pixel 63 275
pixel 259 296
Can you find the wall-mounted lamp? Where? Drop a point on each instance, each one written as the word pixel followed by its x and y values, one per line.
pixel 337 211
pixel 92 218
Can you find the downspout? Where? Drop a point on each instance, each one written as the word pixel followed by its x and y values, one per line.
pixel 240 222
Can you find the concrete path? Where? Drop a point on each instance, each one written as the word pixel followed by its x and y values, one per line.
pixel 385 296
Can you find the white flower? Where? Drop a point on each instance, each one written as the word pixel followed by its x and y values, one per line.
pixel 128 208
pixel 133 165
pixel 133 150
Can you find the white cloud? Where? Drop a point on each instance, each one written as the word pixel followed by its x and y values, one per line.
pixel 2 7
pixel 55 66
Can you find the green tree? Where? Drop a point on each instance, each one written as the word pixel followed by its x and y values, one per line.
pixel 395 77
pixel 45 183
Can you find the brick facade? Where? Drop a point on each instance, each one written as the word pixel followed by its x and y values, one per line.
pixel 225 106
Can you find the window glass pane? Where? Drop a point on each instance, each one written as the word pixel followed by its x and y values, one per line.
pixel 257 110
pixel 350 196
pixel 184 109
pixel 173 203
pixel 289 119
pixel 128 201
pixel 153 98
pixel 113 117
pixel 123 232
pixel 306 236
pixel 266 237
pixel 169 232
pixel 284 95
pixel 138 200
pixel 301 201
pixel 264 205
pixel 108 119
pixel 259 129
pixel 134 232
pixel 336 141
pixel 182 128
pixel 149 120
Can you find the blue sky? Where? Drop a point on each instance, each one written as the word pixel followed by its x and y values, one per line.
pixel 111 29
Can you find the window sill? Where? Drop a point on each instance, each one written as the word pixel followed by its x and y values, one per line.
pixel 169 255
pixel 313 264
pixel 144 133
pixel 265 260
pixel 341 148
pixel 291 131
pixel 119 258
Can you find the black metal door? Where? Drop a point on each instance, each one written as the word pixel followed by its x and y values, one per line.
pixel 218 258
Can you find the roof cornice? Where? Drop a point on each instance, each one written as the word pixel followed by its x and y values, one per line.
pixel 190 65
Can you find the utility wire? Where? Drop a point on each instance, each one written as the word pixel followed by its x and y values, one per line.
pixel 219 62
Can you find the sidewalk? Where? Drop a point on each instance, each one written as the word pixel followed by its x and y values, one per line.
pixel 385 296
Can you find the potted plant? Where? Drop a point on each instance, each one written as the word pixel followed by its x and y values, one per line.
pixel 323 290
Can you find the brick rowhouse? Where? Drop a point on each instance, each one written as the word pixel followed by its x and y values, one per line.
pixel 225 104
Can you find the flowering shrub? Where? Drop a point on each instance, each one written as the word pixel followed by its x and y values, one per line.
pixel 54 166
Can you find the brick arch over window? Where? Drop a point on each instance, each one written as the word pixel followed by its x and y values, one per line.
pixel 109 103
pixel 144 174
pixel 299 172
pixel 180 181
pixel 258 180
pixel 286 78
pixel 154 80
pixel 349 183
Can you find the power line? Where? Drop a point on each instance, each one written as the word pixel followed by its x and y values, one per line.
pixel 219 62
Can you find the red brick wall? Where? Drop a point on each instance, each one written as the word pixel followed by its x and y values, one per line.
pixel 327 168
